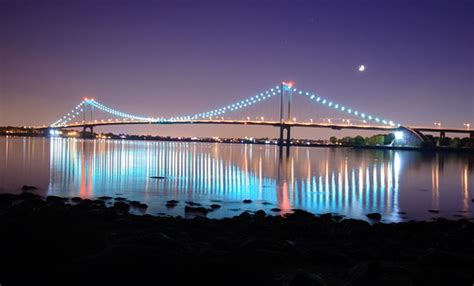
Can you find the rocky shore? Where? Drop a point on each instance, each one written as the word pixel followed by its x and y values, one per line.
pixel 86 242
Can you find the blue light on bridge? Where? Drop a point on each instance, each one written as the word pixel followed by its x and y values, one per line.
pixel 399 135
pixel 236 106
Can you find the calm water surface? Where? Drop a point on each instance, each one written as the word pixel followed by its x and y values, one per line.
pixel 320 180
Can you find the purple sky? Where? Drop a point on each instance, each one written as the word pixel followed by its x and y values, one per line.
pixel 168 58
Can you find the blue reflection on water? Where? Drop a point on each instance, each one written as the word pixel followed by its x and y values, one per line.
pixel 231 173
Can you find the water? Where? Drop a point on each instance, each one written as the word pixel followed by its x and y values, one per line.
pixel 320 180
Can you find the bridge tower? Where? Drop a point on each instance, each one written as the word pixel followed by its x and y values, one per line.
pixel 284 86
pixel 85 133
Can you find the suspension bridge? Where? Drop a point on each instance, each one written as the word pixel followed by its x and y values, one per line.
pixel 286 93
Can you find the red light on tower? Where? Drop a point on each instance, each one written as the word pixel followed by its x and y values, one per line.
pixel 85 98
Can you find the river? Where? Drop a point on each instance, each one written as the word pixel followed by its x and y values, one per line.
pixel 401 185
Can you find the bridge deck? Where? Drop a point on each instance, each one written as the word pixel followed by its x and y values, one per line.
pixel 262 123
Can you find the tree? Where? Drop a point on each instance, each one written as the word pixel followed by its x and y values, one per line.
pixel 333 139
pixel 389 139
pixel 359 141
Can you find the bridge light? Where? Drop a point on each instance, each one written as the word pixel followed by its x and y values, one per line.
pixel 312 96
pixel 336 106
pixel 324 101
pixel 391 123
pixel 377 119
pixel 300 92
pixel 356 112
pixel 370 117
pixel 343 108
pixel 399 135
pixel 330 103
pixel 384 121
pixel 349 111
pixel 318 99
pixel 363 115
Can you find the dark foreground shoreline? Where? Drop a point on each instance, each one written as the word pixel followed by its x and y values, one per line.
pixel 51 241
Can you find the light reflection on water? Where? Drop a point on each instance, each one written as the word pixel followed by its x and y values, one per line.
pixel 320 180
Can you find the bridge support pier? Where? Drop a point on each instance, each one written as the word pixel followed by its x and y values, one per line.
pixel 285 141
pixel 89 134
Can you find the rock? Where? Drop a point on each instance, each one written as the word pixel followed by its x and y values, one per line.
pixel 76 199
pixel 275 210
pixel 121 206
pixel 199 210
pixel 28 188
pixel 247 201
pixel 374 216
pixel 157 177
pixel 266 203
pixel 433 211
pixel 215 206
pixel 307 279
pixel 120 199
pixel 98 203
pixel 245 215
pixel 134 203
pixel 105 198
pixel 170 205
pixel 260 213
pixel 172 202
pixel 326 216
pixel 337 217
pixel 193 203
pixel 137 204
pixel 55 199
pixel 301 214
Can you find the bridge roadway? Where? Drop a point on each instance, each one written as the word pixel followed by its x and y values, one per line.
pixel 228 122
pixel 265 123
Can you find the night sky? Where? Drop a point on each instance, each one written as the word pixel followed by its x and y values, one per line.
pixel 169 58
